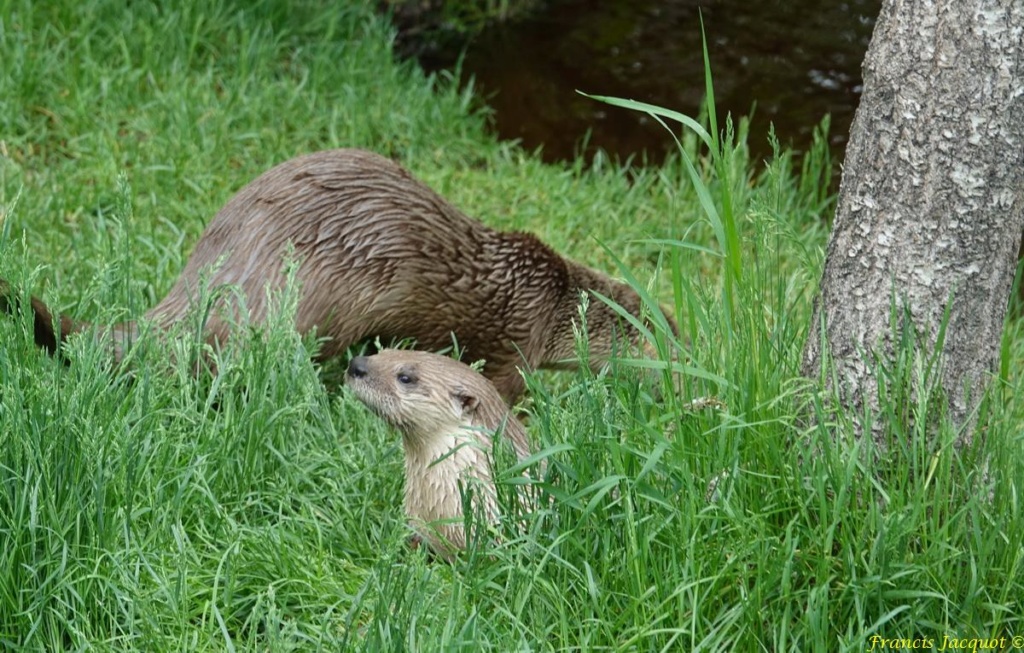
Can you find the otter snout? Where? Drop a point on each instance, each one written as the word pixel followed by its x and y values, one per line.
pixel 358 368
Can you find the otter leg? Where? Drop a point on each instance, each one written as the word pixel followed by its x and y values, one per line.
pixel 510 384
pixel 503 372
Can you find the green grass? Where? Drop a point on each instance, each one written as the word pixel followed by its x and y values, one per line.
pixel 147 509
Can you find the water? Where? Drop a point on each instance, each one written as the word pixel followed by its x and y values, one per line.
pixel 796 59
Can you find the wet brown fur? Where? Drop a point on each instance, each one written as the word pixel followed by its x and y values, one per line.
pixel 42 324
pixel 382 255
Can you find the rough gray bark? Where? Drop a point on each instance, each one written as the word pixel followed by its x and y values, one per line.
pixel 931 203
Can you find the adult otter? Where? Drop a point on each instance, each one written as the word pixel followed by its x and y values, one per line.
pixel 447 414
pixel 381 254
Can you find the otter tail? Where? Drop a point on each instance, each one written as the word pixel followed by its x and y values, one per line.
pixel 49 333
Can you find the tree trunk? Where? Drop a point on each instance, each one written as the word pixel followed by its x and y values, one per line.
pixel 931 203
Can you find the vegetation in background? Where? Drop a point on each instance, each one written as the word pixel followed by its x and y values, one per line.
pixel 427 25
pixel 260 509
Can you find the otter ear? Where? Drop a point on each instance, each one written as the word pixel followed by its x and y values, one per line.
pixel 464 401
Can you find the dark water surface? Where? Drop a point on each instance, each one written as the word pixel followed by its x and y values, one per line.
pixel 796 59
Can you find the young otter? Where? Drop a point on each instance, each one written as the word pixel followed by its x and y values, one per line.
pixel 447 414
pixel 382 255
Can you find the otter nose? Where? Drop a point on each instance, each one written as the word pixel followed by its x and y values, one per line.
pixel 358 368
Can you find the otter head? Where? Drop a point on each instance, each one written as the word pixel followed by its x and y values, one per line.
pixel 423 395
pixel 447 414
pixel 608 333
